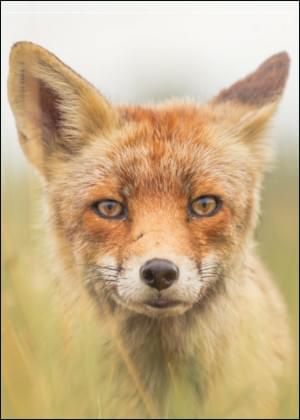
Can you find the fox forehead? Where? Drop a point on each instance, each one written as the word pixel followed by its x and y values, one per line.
pixel 173 149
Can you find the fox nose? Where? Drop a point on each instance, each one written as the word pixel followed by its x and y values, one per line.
pixel 159 273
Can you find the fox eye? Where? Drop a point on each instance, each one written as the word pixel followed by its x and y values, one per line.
pixel 110 209
pixel 205 206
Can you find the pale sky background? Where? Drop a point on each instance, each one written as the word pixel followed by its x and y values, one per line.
pixel 143 51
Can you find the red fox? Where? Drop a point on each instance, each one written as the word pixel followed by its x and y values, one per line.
pixel 153 210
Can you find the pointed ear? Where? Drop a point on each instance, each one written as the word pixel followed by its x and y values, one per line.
pixel 246 106
pixel 56 110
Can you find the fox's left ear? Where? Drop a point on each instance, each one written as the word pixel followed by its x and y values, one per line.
pixel 246 107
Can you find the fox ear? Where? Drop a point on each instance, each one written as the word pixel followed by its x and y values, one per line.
pixel 246 106
pixel 56 110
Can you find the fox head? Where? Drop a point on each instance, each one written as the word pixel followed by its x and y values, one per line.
pixel 152 206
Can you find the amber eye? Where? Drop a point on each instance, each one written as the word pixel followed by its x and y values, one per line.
pixel 205 206
pixel 110 209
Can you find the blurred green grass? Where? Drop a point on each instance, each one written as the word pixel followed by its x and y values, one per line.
pixel 46 376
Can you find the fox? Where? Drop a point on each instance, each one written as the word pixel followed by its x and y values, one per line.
pixel 152 211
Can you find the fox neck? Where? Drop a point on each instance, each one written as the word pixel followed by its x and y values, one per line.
pixel 177 348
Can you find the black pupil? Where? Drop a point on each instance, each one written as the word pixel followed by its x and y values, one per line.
pixel 204 202
pixel 110 205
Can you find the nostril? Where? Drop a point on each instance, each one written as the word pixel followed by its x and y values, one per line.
pixel 170 275
pixel 148 275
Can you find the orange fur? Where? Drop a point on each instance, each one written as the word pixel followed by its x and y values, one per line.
pixel 156 160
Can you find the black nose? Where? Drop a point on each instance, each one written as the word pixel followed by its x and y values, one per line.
pixel 158 273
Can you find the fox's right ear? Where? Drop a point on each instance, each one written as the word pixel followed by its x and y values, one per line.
pixel 56 110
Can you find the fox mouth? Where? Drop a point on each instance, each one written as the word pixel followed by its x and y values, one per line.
pixel 156 307
pixel 162 303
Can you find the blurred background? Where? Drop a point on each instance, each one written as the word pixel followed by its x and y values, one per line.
pixel 132 52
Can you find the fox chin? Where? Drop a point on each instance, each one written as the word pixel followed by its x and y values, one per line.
pixel 152 212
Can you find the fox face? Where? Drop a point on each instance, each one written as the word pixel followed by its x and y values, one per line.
pixel 152 206
pixel 160 213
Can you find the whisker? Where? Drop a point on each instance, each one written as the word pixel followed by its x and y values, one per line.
pixel 108 267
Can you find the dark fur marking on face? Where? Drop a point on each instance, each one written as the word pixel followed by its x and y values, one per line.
pixel 218 238
pixel 139 237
